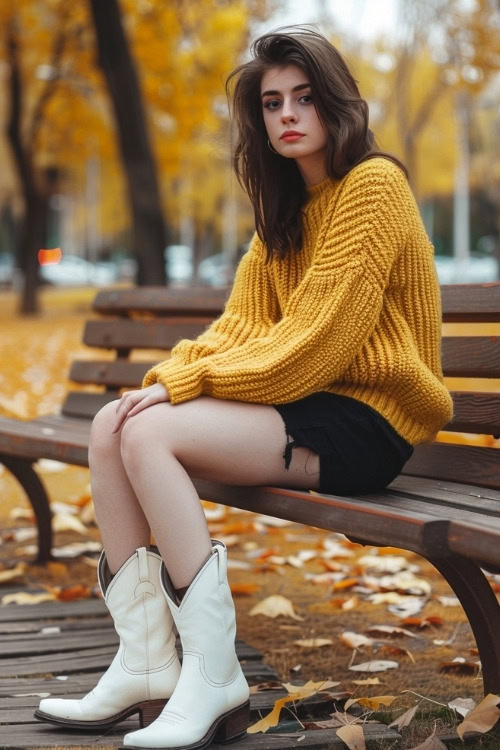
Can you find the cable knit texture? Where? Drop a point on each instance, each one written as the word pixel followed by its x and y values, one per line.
pixel 356 312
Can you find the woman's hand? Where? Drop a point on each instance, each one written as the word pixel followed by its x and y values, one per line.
pixel 132 402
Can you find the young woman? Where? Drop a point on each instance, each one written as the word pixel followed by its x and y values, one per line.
pixel 322 372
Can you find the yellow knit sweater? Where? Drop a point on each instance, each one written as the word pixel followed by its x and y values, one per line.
pixel 356 312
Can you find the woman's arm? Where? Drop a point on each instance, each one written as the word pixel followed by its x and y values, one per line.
pixel 330 314
pixel 250 311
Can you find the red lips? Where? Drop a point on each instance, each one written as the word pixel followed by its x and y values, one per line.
pixel 290 132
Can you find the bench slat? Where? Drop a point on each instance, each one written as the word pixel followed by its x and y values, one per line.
pixel 459 463
pixel 475 412
pixel 471 356
pixel 471 303
pixel 142 334
pixel 482 500
pixel 160 300
pixel 478 542
pixel 120 372
pixel 81 404
pixel 37 440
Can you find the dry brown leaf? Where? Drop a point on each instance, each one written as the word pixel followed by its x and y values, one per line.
pixel 459 667
pixel 482 718
pixel 71 593
pixel 332 566
pixel 65 522
pixel 423 622
pixel 368 681
pixel 274 606
pixel 405 718
pixel 374 702
pixel 389 630
pixel 244 588
pixel 313 642
pixel 353 736
pixel 431 743
pixel 313 687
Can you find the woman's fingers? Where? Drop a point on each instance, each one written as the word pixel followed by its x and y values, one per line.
pixel 132 402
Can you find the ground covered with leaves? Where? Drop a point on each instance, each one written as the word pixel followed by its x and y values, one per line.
pixel 376 626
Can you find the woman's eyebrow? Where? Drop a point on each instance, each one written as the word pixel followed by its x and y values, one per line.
pixel 295 88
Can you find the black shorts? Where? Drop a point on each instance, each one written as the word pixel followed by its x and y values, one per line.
pixel 359 451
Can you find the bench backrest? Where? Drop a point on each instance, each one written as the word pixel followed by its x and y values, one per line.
pixel 156 317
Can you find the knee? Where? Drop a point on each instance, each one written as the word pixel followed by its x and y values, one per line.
pixel 101 436
pixel 151 427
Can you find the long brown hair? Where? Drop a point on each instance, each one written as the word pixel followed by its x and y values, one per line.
pixel 274 183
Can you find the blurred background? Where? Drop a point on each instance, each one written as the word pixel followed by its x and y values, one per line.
pixel 114 132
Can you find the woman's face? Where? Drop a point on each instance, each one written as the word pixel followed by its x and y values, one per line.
pixel 286 109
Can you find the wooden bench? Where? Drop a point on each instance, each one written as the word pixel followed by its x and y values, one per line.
pixel 445 506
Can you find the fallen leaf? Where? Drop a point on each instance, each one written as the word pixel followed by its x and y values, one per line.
pixel 375 665
pixel 373 702
pixel 368 681
pixel 71 593
pixel 65 522
pixel 389 630
pixel 272 521
pixel 405 718
pixel 346 604
pixel 313 642
pixel 423 622
pixel 262 686
pixel 353 736
pixel 431 743
pixel 275 605
pixel 355 640
pixel 313 687
pixel 6 576
pixel 482 718
pixel 449 601
pixel 23 597
pixel 459 667
pixel 299 693
pixel 346 584
pixel 244 588
pixel 463 706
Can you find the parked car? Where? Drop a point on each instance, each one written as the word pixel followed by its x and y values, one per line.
pixel 478 269
pixel 216 270
pixel 75 271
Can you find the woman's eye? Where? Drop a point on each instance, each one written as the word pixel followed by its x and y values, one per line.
pixel 276 101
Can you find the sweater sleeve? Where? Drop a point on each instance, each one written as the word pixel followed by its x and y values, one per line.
pixel 332 311
pixel 249 312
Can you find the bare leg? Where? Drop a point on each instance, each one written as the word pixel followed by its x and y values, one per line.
pixel 226 441
pixel 121 520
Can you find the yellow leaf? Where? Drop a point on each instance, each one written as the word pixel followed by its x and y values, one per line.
pixel 375 702
pixel 275 605
pixel 355 640
pixel 313 642
pixel 482 718
pixel 368 681
pixel 295 693
pixel 353 736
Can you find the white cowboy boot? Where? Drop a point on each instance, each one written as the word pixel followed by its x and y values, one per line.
pixel 210 702
pixel 145 669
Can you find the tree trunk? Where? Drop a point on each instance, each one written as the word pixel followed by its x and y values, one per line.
pixel 115 60
pixel 33 230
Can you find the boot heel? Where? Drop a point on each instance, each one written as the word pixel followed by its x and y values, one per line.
pixel 234 726
pixel 150 710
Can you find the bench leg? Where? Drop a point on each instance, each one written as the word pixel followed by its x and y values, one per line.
pixel 31 483
pixel 480 604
